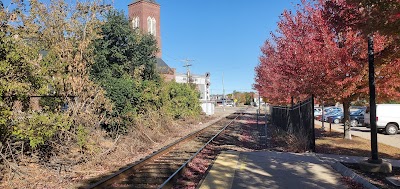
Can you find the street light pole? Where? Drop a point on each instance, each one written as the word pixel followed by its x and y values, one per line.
pixel 372 102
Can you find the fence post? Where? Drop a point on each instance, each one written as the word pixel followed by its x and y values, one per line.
pixel 312 124
pixel 265 127
pixel 257 117
pixel 322 115
pixel 292 102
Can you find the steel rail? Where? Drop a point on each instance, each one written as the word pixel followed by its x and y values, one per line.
pixel 168 183
pixel 124 173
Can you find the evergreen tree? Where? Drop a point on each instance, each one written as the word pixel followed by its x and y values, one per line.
pixel 121 53
pixel 121 50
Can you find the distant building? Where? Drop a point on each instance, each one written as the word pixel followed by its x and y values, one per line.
pixel 216 97
pixel 219 100
pixel 258 100
pixel 145 15
pixel 202 83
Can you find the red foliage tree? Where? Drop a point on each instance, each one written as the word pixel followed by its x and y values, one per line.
pixel 308 56
pixel 380 17
pixel 367 16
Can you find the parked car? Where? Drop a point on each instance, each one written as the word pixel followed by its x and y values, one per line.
pixel 387 118
pixel 317 111
pixel 327 110
pixel 333 116
pixel 356 117
pixel 331 113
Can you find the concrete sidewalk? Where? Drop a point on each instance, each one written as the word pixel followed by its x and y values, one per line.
pixel 270 170
pixel 235 170
pixel 364 133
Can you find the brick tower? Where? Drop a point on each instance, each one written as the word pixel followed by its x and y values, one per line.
pixel 145 15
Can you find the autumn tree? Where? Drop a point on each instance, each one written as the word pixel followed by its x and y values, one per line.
pixel 367 16
pixel 309 57
pixel 245 98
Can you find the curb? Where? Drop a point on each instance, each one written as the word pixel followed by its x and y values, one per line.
pixel 343 170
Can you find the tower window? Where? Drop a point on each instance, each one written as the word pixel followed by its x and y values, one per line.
pixel 135 22
pixel 154 26
pixel 151 25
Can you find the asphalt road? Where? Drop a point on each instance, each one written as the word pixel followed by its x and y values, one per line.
pixel 391 140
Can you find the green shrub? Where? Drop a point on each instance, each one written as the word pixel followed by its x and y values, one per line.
pixel 81 135
pixel 51 104
pixel 40 127
pixel 5 115
pixel 181 100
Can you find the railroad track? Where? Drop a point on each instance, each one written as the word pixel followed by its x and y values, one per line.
pixel 161 169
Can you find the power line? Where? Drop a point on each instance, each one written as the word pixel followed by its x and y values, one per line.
pixel 187 65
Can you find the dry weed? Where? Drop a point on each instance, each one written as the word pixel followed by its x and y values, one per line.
pixel 288 141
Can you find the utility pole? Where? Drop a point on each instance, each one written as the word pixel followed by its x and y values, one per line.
pixel 187 65
pixel 223 91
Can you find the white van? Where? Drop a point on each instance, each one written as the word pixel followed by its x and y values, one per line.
pixel 387 118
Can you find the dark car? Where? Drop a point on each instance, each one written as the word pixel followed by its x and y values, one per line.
pixel 334 117
pixel 356 117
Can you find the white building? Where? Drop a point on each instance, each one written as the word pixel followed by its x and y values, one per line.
pixel 202 83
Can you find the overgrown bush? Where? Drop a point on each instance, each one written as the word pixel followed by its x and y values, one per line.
pixel 46 51
pixel 288 141
pixel 97 79
pixel 182 100
pixel 37 128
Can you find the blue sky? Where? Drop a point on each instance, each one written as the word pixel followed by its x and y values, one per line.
pixel 223 37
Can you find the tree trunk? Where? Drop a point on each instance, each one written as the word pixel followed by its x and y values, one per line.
pixel 346 114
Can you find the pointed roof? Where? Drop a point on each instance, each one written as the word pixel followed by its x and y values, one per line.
pixel 163 67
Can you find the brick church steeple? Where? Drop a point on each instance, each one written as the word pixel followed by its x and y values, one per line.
pixel 145 15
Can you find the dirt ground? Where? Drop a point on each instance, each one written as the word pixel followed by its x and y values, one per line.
pixel 333 143
pixel 30 173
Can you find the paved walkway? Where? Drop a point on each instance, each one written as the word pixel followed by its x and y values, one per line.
pixel 270 170
pixel 365 133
